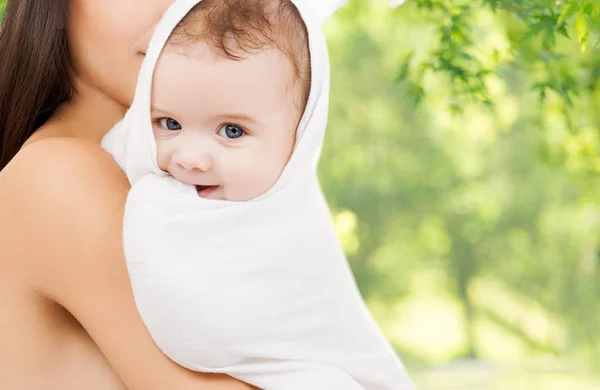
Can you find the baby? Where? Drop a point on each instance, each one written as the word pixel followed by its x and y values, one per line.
pixel 229 91
pixel 233 259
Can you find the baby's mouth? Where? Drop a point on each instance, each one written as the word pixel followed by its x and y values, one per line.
pixel 205 191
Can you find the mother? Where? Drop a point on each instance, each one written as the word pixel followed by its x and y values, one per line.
pixel 67 317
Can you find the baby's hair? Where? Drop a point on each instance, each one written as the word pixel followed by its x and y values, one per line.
pixel 236 28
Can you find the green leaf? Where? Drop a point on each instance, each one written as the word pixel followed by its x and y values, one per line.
pixel 417 92
pixel 569 10
pixel 405 66
pixel 493 4
pixel 582 26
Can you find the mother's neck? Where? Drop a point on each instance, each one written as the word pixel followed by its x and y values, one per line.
pixel 89 115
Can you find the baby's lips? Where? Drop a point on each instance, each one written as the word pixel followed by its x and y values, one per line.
pixel 205 191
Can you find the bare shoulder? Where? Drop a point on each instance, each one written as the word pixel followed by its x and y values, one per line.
pixel 61 209
pixel 60 188
pixel 60 196
pixel 64 166
pixel 33 190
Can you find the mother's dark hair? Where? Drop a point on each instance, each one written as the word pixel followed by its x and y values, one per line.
pixel 35 72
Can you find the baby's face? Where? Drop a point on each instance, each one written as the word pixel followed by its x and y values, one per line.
pixel 228 127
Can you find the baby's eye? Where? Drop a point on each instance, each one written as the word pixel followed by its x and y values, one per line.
pixel 231 132
pixel 169 124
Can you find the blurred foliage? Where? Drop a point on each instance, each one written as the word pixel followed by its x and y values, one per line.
pixel 461 164
pixel 537 34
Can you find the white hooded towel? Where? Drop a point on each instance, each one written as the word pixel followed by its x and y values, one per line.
pixel 259 290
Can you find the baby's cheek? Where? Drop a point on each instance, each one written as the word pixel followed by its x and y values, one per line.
pixel 255 177
pixel 162 158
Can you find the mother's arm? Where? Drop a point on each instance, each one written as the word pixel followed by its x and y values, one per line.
pixel 66 199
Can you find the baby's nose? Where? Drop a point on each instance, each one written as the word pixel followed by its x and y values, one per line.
pixel 193 161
